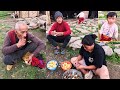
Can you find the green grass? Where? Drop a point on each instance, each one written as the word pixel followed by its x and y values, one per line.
pixel 4 14
pixel 4 26
pixel 99 26
pixel 38 30
pixel 2 36
pixel 1 40
pixel 72 53
pixel 114 58
pixel 23 71
pixel 113 42
pixel 101 17
pixel 118 29
pixel 3 29
pixel 20 69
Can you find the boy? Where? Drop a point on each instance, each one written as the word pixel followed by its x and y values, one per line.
pixel 109 30
pixel 59 32
pixel 81 17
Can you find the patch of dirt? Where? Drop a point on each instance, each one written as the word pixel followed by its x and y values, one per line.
pixel 114 70
pixel 57 74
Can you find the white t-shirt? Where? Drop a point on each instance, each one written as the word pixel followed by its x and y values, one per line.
pixel 109 30
pixel 81 14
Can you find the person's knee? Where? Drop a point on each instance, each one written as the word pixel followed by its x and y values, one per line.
pixel 103 72
pixel 104 75
pixel 7 60
pixel 48 37
pixel 68 37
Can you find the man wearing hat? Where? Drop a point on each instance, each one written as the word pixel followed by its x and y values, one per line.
pixel 59 33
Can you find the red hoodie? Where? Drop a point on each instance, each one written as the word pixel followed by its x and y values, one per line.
pixel 63 27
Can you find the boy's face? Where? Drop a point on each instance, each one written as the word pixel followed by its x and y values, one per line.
pixel 59 20
pixel 111 20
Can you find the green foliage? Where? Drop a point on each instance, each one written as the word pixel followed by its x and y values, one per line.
pixel 3 14
pixel 101 17
pixel 72 53
pixel 1 38
pixel 114 42
pixel 114 58
pixel 43 54
pixel 99 26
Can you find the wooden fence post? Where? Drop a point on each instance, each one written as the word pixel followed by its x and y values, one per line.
pixel 48 20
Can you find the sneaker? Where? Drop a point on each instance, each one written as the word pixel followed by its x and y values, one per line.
pixel 56 51
pixel 62 51
pixel 89 75
pixel 9 67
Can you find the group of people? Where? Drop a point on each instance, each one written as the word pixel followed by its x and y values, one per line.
pixel 91 59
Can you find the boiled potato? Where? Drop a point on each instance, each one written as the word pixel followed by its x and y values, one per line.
pixel 52 64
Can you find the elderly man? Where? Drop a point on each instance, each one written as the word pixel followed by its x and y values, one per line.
pixel 18 42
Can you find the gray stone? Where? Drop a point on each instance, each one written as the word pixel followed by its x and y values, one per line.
pixel 108 50
pixel 20 19
pixel 85 31
pixel 76 44
pixel 33 25
pixel 73 39
pixel 117 45
pixel 42 17
pixel 117 51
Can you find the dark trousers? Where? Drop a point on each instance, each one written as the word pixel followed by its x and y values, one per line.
pixel 12 58
pixel 60 39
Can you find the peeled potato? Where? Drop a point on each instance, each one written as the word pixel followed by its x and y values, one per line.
pixel 52 64
pixel 66 65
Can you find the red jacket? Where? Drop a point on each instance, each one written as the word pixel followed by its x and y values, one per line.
pixel 63 27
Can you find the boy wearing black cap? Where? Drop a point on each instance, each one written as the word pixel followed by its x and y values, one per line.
pixel 59 32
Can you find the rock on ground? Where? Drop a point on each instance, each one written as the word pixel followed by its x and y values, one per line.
pixel 117 51
pixel 108 50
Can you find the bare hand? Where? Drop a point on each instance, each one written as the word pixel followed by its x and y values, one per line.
pixel 53 33
pixel 80 67
pixel 59 34
pixel 21 42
